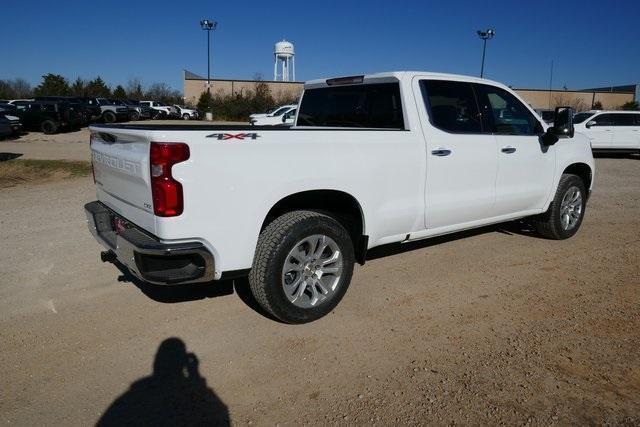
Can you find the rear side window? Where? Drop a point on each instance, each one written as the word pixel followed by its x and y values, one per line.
pixel 358 106
pixel 452 106
pixel 623 120
pixel 505 113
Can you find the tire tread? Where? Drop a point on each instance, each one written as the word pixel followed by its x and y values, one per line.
pixel 268 244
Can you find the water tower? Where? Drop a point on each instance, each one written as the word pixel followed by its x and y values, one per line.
pixel 284 54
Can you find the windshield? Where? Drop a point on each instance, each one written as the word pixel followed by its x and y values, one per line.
pixel 280 111
pixel 581 117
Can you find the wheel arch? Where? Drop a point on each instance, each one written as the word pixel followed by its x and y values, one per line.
pixel 583 171
pixel 341 206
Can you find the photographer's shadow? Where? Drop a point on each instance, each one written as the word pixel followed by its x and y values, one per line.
pixel 175 394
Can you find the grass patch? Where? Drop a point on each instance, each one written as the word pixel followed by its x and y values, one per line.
pixel 19 171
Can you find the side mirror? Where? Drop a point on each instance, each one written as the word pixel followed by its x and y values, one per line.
pixel 562 126
pixel 563 122
pixel 590 123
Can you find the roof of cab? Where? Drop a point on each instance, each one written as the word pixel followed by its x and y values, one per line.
pixel 391 76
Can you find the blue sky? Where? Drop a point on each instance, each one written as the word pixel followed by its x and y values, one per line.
pixel 591 43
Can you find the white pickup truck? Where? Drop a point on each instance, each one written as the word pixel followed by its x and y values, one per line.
pixel 370 160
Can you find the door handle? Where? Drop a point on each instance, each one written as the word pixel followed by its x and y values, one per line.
pixel 441 152
pixel 508 150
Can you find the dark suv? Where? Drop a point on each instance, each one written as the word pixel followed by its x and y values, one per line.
pixel 89 110
pixel 49 116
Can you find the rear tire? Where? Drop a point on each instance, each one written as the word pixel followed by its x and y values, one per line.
pixel 566 212
pixel 109 117
pixel 49 127
pixel 302 266
pixel 135 116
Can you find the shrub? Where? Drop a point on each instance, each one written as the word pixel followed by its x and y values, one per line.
pixel 630 106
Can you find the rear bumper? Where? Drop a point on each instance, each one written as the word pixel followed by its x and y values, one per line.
pixel 144 255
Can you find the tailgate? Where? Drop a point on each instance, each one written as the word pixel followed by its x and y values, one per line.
pixel 120 160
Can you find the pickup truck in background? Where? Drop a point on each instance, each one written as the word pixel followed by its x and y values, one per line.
pixel 370 160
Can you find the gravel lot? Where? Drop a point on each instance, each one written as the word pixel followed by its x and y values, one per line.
pixel 484 327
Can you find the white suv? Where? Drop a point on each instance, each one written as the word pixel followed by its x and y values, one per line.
pixel 610 130
pixel 273 118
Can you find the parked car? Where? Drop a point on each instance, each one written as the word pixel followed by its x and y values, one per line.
pixel 5 127
pixel 186 113
pixel 610 130
pixel 289 117
pixel 14 101
pixel 112 112
pixel 137 110
pixel 370 160
pixel 12 121
pixel 267 111
pixel 272 112
pixel 109 112
pixel 158 109
pixel 48 116
pixel 89 110
pixel 274 118
pixel 6 107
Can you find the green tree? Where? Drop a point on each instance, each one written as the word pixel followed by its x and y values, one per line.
pixel 205 102
pixel 630 106
pixel 119 93
pixel 53 85
pixel 98 88
pixel 78 88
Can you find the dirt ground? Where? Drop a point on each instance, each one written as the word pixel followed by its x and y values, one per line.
pixel 493 326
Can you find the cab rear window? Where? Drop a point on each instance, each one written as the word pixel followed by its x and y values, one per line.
pixel 355 106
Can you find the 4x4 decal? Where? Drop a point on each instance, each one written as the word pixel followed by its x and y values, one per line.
pixel 227 136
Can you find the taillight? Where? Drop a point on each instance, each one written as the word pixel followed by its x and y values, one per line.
pixel 166 191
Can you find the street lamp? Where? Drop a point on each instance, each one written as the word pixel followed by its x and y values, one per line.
pixel 485 35
pixel 208 26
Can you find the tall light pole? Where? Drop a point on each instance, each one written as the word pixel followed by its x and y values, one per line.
pixel 208 26
pixel 485 35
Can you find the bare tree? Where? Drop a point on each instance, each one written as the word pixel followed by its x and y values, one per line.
pixel 21 88
pixel 135 89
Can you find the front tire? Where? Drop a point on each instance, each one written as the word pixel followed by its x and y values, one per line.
pixel 302 266
pixel 134 117
pixel 185 116
pixel 109 117
pixel 49 127
pixel 566 212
